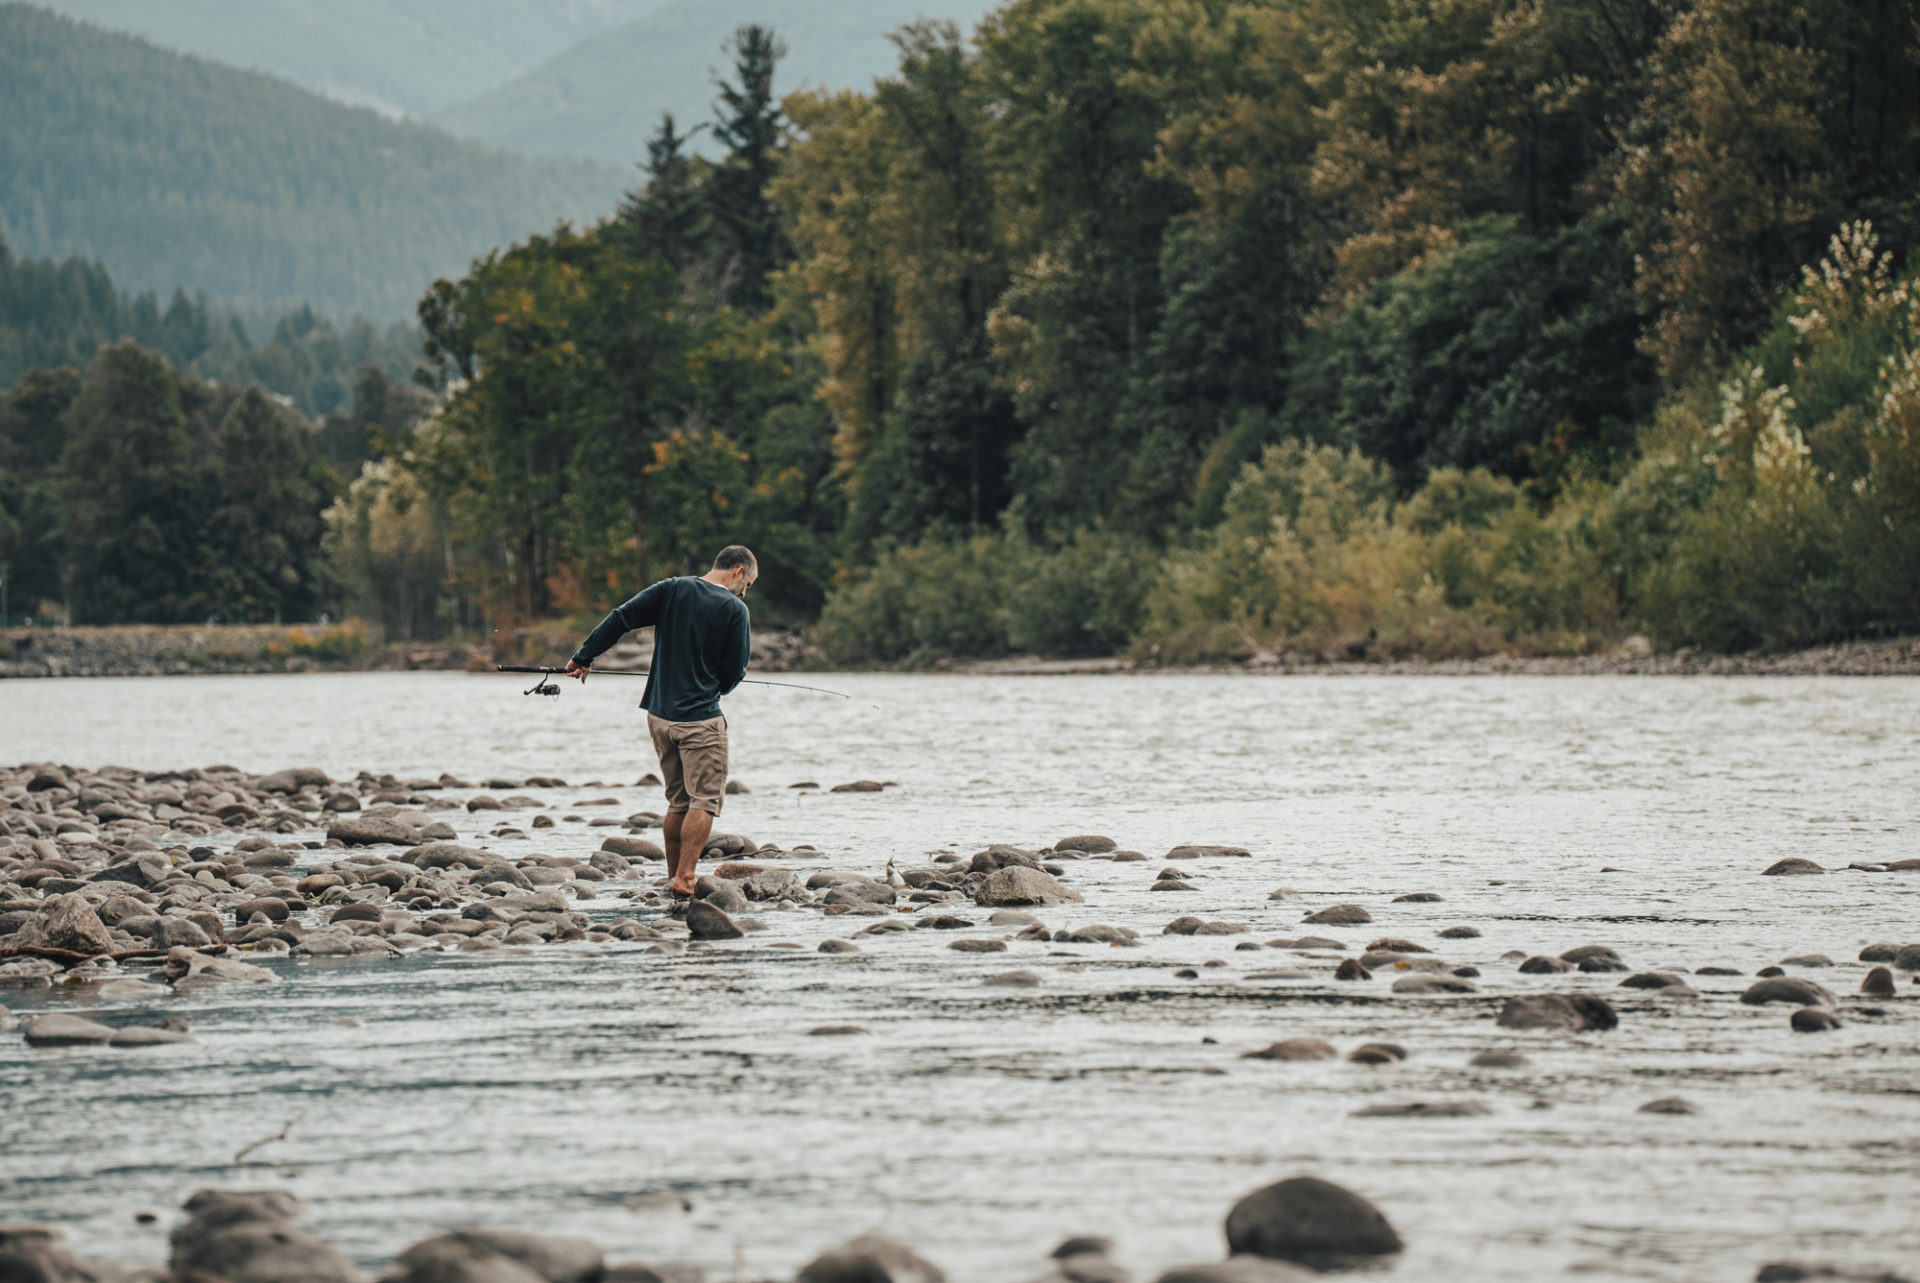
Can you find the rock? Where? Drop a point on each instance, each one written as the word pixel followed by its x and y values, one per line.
pixel 724 896
pixel 772 884
pixel 1171 884
pixel 858 892
pixel 1097 933
pixel 1238 1269
pixel 1807 960
pixel 1294 1049
pixel 1377 1053
pixel 188 969
pixel 68 922
pixel 1016 885
pixel 38 1254
pixel 1794 1272
pixel 247 1236
pixel 1792 866
pixel 1433 984
pixel 1309 1221
pixel 555 1259
pixel 1652 980
pixel 444 855
pixel 1184 925
pixel 1717 971
pixel 1880 953
pixel 835 1031
pixel 1795 989
pixel 705 921
pixel 1425 1109
pixel 1572 1011
pixel 1090 843
pixel 1340 915
pixel 1207 852
pixel 858 786
pixel 448 1258
pixel 1352 969
pixel 869 1259
pixel 839 946
pixel 1668 1105
pixel 275 909
pixel 1878 984
pixel 978 946
pixel 1544 966
pixel 633 848
pixel 1390 944
pixel 1497 1060
pixel 1592 953
pixel 1128 857
pixel 1417 897
pixel 1908 959
pixel 373 830
pixel 1314 942
pixel 60 1030
pixel 292 780
pixel 1013 979
pixel 1813 1020
pixel 1011 918
pixel 1460 933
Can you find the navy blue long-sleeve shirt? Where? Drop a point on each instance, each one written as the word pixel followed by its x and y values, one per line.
pixel 702 640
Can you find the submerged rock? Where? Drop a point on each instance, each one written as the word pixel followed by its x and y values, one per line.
pixel 248 1236
pixel 1669 1105
pixel 1238 1269
pixel 1497 1060
pixel 60 1030
pixel 1878 983
pixel 1795 989
pixel 1425 1109
pixel 1813 1020
pixel 1309 1221
pixel 1294 1049
pixel 1792 866
pixel 1571 1011
pixel 1090 843
pixel 1339 915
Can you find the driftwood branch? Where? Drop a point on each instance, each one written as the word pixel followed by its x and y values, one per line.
pixel 241 1154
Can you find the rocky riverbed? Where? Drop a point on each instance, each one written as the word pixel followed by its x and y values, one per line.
pixel 131 901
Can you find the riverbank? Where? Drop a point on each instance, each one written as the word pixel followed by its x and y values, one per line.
pixel 157 650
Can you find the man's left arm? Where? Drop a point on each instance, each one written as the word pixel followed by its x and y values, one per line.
pixel 740 652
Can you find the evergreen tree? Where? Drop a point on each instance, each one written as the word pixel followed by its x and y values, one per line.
pixel 669 216
pixel 749 123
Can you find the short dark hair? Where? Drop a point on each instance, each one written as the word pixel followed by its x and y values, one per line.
pixel 735 555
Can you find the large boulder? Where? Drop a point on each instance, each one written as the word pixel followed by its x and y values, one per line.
pixel 1797 990
pixel 373 830
pixel 248 1236
pixel 68 922
pixel 1015 884
pixel 1311 1222
pixel 1571 1011
pixel 870 1259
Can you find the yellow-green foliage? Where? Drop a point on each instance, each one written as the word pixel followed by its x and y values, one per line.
pixel 1315 558
pixel 387 547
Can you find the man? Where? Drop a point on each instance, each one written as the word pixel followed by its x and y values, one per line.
pixel 701 643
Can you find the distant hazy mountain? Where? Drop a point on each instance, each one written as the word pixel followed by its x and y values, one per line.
pixel 175 171
pixel 601 98
pixel 412 56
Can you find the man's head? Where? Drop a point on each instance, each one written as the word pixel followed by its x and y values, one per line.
pixel 735 569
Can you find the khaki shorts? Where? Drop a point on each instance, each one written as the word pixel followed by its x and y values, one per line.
pixel 693 762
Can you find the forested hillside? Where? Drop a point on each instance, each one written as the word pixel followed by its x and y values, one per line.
pixel 176 172
pixel 589 101
pixel 411 56
pixel 61 313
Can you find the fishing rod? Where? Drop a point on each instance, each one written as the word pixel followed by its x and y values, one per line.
pixel 544 687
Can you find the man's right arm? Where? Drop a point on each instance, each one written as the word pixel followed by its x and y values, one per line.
pixel 639 611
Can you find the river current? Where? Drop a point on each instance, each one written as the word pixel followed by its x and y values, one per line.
pixel 979 1123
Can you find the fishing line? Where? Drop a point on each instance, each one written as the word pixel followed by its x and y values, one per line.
pixel 544 687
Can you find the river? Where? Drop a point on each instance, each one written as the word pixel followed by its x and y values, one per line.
pixel 981 1124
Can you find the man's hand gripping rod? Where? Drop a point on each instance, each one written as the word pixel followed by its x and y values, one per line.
pixel 544 687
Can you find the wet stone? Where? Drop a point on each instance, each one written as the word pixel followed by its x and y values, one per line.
pixel 1294 1049
pixel 1813 1020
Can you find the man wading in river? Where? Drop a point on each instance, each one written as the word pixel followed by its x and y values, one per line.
pixel 701 643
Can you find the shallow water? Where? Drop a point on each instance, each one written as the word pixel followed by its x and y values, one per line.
pixel 980 1124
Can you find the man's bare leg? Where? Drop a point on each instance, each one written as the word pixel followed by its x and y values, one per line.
pixel 686 835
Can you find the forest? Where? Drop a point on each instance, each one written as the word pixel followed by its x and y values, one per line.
pixel 1201 330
